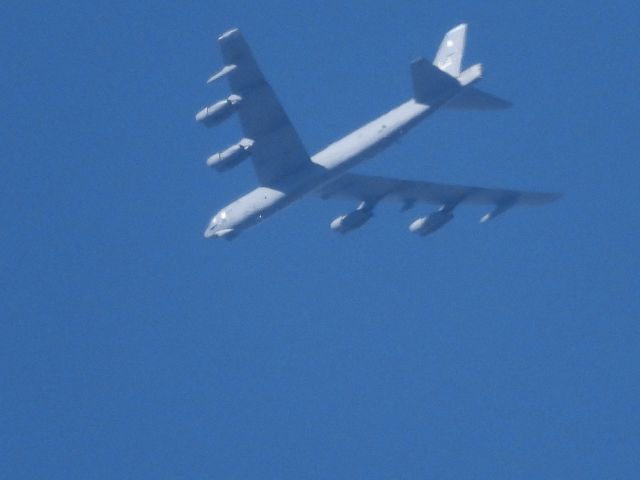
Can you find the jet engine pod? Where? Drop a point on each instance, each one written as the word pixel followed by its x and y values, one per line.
pixel 429 224
pixel 232 156
pixel 218 112
pixel 351 221
pixel 500 209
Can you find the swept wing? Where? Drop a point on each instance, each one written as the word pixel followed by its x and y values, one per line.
pixel 277 151
pixel 373 189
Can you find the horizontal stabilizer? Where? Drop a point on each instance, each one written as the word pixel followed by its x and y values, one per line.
pixel 472 98
pixel 470 75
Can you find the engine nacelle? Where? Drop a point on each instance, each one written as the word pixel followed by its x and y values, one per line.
pixel 232 156
pixel 429 224
pixel 500 209
pixel 218 112
pixel 351 221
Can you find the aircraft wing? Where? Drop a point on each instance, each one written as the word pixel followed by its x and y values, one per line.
pixel 277 150
pixel 373 189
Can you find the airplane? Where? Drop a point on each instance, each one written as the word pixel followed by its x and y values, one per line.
pixel 286 172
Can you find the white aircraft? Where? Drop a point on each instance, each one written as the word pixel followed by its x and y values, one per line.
pixel 286 172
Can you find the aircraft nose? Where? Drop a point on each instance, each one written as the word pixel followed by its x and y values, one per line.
pixel 211 230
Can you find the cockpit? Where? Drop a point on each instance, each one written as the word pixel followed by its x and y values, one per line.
pixel 220 218
pixel 219 225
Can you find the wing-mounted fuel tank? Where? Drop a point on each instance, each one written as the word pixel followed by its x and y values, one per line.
pixel 350 221
pixel 432 222
pixel 232 156
pixel 218 112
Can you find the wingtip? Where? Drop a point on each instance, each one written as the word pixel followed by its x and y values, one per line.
pixel 229 33
pixel 506 104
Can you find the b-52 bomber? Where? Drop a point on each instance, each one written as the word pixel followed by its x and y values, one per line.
pixel 286 172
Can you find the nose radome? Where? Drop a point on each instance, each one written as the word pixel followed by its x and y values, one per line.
pixel 211 229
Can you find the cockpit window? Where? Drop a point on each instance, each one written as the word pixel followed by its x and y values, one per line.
pixel 220 217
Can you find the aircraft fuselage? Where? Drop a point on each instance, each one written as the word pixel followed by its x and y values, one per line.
pixel 328 165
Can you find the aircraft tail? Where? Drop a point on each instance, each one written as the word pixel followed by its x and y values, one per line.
pixel 438 82
pixel 451 50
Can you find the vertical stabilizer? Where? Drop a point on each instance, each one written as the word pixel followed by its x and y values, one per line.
pixel 449 56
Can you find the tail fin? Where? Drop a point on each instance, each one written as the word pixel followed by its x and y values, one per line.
pixel 438 83
pixel 449 56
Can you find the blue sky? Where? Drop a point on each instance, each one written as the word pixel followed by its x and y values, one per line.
pixel 131 347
